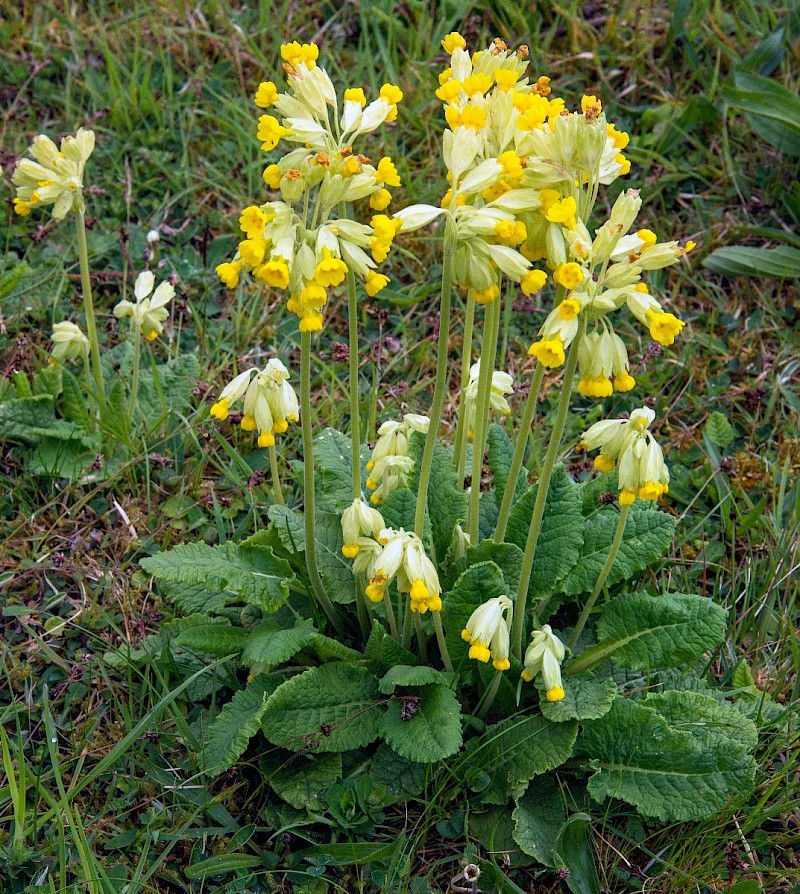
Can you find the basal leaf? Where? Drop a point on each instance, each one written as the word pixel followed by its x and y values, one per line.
pixel 288 524
pixel 538 817
pixel 500 452
pixel 336 571
pixel 301 780
pixel 772 110
pixel 745 260
pixel 216 639
pixel 648 534
pixel 666 773
pixel 269 643
pixel 432 733
pixel 644 632
pixel 409 675
pixel 559 544
pixel 335 707
pixel 517 749
pixel 507 556
pixel 703 716
pixel 573 848
pixel 447 503
pixel 586 697
pixel 399 775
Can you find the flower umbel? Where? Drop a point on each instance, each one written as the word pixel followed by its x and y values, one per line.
pixel 487 632
pixel 148 311
pixel 69 342
pixel 544 656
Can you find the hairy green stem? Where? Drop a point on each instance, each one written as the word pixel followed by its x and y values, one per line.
pixel 88 310
pixel 518 628
pixel 491 692
pixel 482 406
pixel 137 350
pixel 422 644
pixel 355 418
pixel 87 372
pixel 437 626
pixel 387 601
pixel 440 386
pixel 601 578
pixel 460 449
pixel 276 477
pixel 309 497
pixel 519 454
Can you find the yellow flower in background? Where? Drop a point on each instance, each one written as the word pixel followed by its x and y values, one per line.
pixel 453 41
pixel 148 311
pixel 266 94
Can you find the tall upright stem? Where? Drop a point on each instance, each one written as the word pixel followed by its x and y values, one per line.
pixel 277 490
pixel 519 454
pixel 440 387
pixel 460 449
pixel 309 497
pixel 88 309
pixel 137 350
pixel 437 626
pixel 355 418
pixel 518 628
pixel 482 404
pixel 601 578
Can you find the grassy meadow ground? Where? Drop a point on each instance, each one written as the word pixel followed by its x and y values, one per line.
pixel 113 798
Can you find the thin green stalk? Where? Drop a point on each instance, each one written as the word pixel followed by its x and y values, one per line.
pixel 460 450
pixel 443 651
pixel 422 645
pixel 87 372
pixel 482 406
pixel 355 418
pixel 361 609
pixel 309 496
pixel 387 600
pixel 491 692
pixel 277 490
pixel 88 310
pixel 518 628
pixel 405 640
pixel 601 578
pixel 137 350
pixel 519 453
pixel 440 386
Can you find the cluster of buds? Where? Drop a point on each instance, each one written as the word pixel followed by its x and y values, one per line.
pixel 501 385
pixel 390 465
pixel 69 342
pixel 628 444
pixel 399 555
pixel 488 630
pixel 148 311
pixel 296 243
pixel 55 177
pixel 270 402
pixel 544 656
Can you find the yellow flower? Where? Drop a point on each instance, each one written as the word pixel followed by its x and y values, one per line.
pixel 272 176
pixel 473 117
pixel 449 91
pixel 392 95
pixel 532 282
pixel 648 237
pixel 274 273
pixel 266 94
pixel 252 251
pixel 330 271
pixel 563 211
pixel 298 54
pixel 445 76
pixel 380 200
pixel 505 79
pixel 591 103
pixel 252 221
pixel 386 172
pixel 568 275
pixel 476 83
pixel 619 138
pixel 511 164
pixel 452 42
pixel 355 94
pixel 375 282
pixel 569 309
pixel 548 351
pixel 270 131
pixel 229 272
pixel 485 296
pixel 664 327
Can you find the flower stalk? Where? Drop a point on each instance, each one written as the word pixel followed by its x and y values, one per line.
pixel 88 309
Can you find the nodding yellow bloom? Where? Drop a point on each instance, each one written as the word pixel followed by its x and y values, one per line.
pixel 544 656
pixel 604 463
pixel 386 172
pixel 619 138
pixel 360 519
pixel 452 42
pixel 648 237
pixel 602 356
pixel 505 78
pixel 266 95
pixel 487 632
pixel 568 275
pixel 532 282
pixel 252 222
pixel 270 132
pixel 624 164
pixel 664 327
pixel 313 295
pixel 473 117
pixel 449 91
pixel 477 83
pixel 511 164
pixel 69 343
pixel 563 212
pixel 375 282
pixel 252 251
pixel 330 271
pixel 384 230
pixel 591 104
pixel 300 54
pixel 391 94
pixel 148 311
pixel 229 272
pixel 351 167
pixel 569 308
pixel 548 351
pixel 485 296
pixel 452 115
pixel 380 200
pixel 272 176
pixel 274 273
pixel 355 94
pixel 445 76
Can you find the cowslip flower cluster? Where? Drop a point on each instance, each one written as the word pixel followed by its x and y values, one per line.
pixel 148 311
pixel 297 243
pixel 501 384
pixel 400 555
pixel 270 402
pixel 55 176
pixel 544 656
pixel 69 342
pixel 487 631
pixel 359 520
pixel 390 465
pixel 628 444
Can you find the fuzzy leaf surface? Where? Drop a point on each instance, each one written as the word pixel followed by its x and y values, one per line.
pixel 586 697
pixel 666 773
pixel 235 725
pixel 447 503
pixel 335 570
pixel 216 639
pixel 301 781
pixel 409 675
pixel 433 733
pixel 648 534
pixel 500 452
pixel 335 707
pixel 270 644
pixel 703 716
pixel 538 817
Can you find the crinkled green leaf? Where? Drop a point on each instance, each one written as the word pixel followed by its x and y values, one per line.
pixel 250 570
pixel 573 848
pixel 235 725
pixel 718 429
pixel 170 390
pixel 216 639
pixel 302 780
pixel 30 419
pixel 641 632
pixel 494 829
pixel 398 509
pixel 399 775
pixel 333 457
pixel 507 556
pixel 538 817
pixel 288 524
pixel 73 400
pixel 500 453
pixel 703 717
pixel 269 643
pixel 335 570
pixel 432 733
pixel 586 697
pixel 335 707
pixel 515 750
pixel 447 502
pixel 648 534
pixel 666 773
pixel 561 536
pixel 328 649
pixel 409 675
